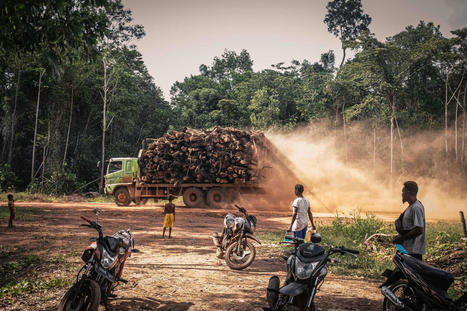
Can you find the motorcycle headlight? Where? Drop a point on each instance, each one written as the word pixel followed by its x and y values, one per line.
pixel 229 222
pixel 87 255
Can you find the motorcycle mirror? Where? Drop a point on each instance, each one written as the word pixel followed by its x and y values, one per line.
pixel 97 211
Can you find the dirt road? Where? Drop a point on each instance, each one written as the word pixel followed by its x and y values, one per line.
pixel 176 274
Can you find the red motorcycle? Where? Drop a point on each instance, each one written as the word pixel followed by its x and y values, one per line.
pixel 104 262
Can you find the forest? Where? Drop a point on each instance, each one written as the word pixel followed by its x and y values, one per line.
pixel 74 90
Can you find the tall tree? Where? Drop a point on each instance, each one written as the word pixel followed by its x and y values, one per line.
pixel 346 20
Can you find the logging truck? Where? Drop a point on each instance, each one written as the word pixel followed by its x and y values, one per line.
pixel 123 181
pixel 207 168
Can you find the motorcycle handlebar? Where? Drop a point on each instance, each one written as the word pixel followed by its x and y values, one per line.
pixel 86 219
pixel 352 251
pixel 241 209
pixel 343 250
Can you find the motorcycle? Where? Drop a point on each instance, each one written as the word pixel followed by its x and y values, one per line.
pixel 306 270
pixel 414 285
pixel 234 243
pixel 102 272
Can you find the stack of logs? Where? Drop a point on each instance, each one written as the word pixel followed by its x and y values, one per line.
pixel 218 155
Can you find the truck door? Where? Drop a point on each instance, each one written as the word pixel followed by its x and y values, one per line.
pixel 114 172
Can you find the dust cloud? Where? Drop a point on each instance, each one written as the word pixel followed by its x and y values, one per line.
pixel 350 172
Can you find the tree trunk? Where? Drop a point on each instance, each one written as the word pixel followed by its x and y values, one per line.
pixel 45 150
pixel 446 116
pixel 336 120
pixel 343 54
pixel 345 129
pixel 464 130
pixel 41 72
pixel 392 137
pixel 400 140
pixel 104 125
pixel 69 127
pixel 455 127
pixel 374 148
pixel 13 119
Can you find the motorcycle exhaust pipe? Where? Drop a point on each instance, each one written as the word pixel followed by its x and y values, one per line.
pixel 392 297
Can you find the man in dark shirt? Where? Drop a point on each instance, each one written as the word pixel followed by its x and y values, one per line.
pixel 411 223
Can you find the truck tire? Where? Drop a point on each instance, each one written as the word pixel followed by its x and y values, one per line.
pixel 193 197
pixel 216 197
pixel 122 197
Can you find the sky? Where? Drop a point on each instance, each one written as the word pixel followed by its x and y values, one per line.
pixel 183 34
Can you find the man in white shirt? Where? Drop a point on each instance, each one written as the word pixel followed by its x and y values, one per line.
pixel 301 209
pixel 411 223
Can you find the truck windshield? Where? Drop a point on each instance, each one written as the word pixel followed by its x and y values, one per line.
pixel 114 167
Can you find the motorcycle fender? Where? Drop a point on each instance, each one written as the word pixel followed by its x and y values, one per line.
pixel 395 276
pixel 293 289
pixel 250 236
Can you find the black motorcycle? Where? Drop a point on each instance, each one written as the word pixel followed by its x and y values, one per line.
pixel 234 243
pixel 306 270
pixel 414 285
pixel 104 262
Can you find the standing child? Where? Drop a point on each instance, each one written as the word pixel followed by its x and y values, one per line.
pixel 11 206
pixel 169 216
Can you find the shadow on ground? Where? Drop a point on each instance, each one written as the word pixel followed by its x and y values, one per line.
pixel 148 303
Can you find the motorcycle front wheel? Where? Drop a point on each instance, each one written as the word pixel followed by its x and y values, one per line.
pixel 239 260
pixel 405 293
pixel 87 299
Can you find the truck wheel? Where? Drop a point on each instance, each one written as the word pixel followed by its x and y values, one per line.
pixel 193 197
pixel 215 197
pixel 122 197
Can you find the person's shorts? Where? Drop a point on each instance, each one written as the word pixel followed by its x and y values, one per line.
pixel 300 234
pixel 168 220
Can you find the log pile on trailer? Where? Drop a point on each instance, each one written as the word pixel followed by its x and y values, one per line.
pixel 218 155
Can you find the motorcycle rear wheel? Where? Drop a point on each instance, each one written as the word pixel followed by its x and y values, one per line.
pixel 231 256
pixel 88 301
pixel 404 292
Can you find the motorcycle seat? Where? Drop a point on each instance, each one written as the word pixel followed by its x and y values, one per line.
pixel 111 245
pixel 293 289
pixel 439 278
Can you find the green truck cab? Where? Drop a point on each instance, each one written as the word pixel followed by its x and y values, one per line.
pixel 121 174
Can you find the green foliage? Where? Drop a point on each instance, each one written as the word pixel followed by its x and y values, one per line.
pixel 357 228
pixel 32 286
pixel 345 19
pixel 8 178
pixel 264 108
pixel 59 182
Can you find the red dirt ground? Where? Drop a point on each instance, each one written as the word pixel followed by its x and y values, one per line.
pixel 176 274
